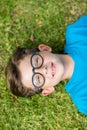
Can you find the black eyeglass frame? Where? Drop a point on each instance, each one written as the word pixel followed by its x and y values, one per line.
pixel 33 69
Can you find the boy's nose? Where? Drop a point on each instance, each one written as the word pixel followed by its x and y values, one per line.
pixel 43 70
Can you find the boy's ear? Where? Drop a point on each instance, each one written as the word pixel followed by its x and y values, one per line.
pixel 47 91
pixel 43 47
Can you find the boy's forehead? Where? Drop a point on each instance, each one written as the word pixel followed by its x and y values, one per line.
pixel 26 72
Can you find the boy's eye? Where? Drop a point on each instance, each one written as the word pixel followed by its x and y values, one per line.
pixel 37 61
pixel 38 80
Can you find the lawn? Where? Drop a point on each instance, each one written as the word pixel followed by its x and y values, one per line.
pixel 28 23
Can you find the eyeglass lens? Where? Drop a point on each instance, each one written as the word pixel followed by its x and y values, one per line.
pixel 37 61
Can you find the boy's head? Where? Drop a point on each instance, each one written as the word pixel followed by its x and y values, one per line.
pixel 31 71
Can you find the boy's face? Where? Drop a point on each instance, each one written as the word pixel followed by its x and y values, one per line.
pixel 51 69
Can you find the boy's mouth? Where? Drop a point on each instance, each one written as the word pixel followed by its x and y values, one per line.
pixel 53 68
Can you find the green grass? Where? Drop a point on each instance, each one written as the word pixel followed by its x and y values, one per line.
pixel 28 23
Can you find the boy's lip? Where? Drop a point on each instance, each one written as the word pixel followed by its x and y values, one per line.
pixel 53 68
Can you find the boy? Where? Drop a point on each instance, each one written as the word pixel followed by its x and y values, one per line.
pixel 32 71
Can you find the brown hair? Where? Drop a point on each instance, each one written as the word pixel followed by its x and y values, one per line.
pixel 13 74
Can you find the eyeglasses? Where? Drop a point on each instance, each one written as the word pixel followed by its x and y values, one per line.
pixel 38 79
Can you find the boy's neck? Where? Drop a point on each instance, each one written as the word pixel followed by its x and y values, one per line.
pixel 68 65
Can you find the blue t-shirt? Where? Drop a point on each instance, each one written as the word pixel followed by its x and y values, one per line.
pixel 76 47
